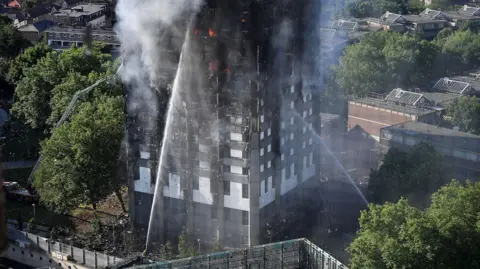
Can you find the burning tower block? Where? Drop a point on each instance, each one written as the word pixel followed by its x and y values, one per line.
pixel 241 134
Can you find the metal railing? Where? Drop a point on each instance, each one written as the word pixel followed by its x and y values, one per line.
pixel 91 259
pixel 298 253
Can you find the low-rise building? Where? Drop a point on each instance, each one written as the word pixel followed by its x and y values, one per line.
pixel 410 23
pixel 34 32
pixel 461 150
pixel 81 15
pixel 66 4
pixel 60 38
pixel 466 14
pixel 375 112
pixel 473 79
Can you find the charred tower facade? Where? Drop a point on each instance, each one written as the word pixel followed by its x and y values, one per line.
pixel 241 143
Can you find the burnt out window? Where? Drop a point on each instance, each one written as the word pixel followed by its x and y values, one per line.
pixel 244 217
pixel 213 213
pixel 245 191
pixel 196 183
pixel 226 187
pixel 227 212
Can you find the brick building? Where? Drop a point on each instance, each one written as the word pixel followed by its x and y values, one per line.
pixel 374 113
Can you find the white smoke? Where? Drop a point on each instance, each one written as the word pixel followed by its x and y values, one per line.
pixel 143 28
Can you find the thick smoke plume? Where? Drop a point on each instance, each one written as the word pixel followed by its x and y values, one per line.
pixel 144 28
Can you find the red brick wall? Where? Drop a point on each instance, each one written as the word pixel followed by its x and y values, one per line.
pixel 372 119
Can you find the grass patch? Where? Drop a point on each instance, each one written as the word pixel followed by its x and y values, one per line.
pixel 42 215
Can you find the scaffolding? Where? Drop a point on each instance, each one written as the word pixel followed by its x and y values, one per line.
pixel 297 253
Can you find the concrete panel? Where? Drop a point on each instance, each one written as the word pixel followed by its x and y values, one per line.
pixel 203 194
pixel 235 199
pixel 173 190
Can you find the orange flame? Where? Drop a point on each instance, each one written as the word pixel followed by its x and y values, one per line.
pixel 244 20
pixel 211 32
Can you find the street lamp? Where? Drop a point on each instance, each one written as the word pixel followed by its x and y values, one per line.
pixel 34 213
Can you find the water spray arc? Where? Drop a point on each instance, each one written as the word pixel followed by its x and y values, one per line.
pixel 156 220
pixel 325 146
pixel 220 149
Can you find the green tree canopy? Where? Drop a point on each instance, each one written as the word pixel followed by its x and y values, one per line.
pixel 384 60
pixel 465 113
pixel 27 59
pixel 22 142
pixel 11 41
pixel 374 8
pixel 35 90
pixel 80 159
pixel 461 47
pixel 445 235
pixel 415 175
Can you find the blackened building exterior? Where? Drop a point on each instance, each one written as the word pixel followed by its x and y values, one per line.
pixel 240 146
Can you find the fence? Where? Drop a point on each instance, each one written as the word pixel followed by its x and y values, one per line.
pixel 84 257
pixel 298 253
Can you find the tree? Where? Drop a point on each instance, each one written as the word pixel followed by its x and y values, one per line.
pixel 333 99
pixel 465 113
pixel 389 238
pixel 374 8
pixel 385 60
pixel 11 41
pixel 415 175
pixel 34 91
pixel 185 247
pixel 461 47
pixel 80 158
pixel 22 142
pixel 27 59
pixel 445 235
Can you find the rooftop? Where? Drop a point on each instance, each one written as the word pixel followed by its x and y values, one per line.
pixel 440 98
pixel 452 86
pixel 327 117
pixel 390 18
pixel 81 10
pixel 421 19
pixel 80 30
pixel 344 25
pixel 438 135
pixel 464 13
pixel 432 14
pixel 469 11
pixel 381 103
pixel 326 33
pixel 404 97
pixel 473 79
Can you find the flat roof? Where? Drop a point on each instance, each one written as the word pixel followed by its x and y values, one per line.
pixel 81 30
pixel 80 10
pixel 438 135
pixel 443 98
pixel 475 83
pixel 421 19
pixel 459 15
pixel 327 117
pixel 380 103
